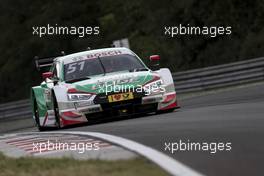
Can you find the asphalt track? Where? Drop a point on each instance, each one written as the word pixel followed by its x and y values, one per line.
pixel 235 116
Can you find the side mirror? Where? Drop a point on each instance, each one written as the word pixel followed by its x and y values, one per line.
pixel 154 59
pixel 47 75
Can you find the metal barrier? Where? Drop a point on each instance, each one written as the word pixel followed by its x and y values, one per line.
pixel 185 82
pixel 219 76
pixel 17 109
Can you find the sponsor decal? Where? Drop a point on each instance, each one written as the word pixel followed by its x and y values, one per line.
pixel 98 54
pixel 120 97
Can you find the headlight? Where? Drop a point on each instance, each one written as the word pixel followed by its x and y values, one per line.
pixel 78 97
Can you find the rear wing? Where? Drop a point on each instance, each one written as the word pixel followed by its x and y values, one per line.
pixel 45 62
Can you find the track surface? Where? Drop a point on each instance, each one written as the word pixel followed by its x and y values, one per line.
pixel 235 116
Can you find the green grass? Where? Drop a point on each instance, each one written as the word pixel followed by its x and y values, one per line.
pixel 30 166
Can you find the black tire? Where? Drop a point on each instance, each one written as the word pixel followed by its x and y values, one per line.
pixel 166 111
pixel 169 110
pixel 36 113
pixel 56 111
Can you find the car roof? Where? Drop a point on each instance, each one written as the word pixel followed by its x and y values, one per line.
pixel 94 54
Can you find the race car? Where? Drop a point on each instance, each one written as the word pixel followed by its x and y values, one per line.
pixel 98 84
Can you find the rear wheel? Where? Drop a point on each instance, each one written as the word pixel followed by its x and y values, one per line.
pixel 56 112
pixel 36 113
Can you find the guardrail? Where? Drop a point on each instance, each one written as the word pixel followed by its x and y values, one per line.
pixel 185 82
pixel 17 109
pixel 219 76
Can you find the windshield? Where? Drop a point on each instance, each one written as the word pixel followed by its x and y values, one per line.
pixel 102 65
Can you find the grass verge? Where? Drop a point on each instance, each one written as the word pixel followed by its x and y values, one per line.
pixel 31 166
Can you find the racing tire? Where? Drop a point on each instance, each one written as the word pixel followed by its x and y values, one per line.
pixel 166 111
pixel 169 110
pixel 36 113
pixel 56 112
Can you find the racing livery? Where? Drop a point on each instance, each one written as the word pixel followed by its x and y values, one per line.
pixel 99 84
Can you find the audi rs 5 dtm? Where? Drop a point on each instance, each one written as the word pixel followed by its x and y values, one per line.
pixel 99 84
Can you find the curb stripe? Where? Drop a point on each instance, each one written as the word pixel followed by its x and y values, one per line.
pixel 26 143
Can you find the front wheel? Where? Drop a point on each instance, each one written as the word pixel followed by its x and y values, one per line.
pixel 56 112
